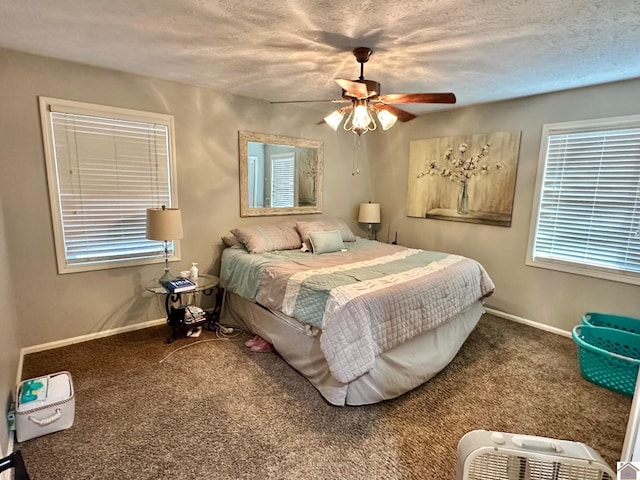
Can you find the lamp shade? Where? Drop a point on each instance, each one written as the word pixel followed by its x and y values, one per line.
pixel 387 119
pixel 164 224
pixel 361 118
pixel 334 119
pixel 369 213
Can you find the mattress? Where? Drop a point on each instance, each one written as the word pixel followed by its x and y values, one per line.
pixel 362 325
pixel 365 301
pixel 394 372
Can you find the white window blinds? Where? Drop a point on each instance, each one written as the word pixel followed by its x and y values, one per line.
pixel 282 180
pixel 107 168
pixel 589 198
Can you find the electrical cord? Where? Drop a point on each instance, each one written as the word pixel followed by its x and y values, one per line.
pixel 221 336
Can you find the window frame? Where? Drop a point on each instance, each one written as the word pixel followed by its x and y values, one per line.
pixel 567 266
pixel 49 105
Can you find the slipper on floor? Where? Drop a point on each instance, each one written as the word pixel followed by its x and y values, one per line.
pixel 262 346
pixel 252 342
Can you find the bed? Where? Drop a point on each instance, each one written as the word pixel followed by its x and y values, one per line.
pixel 363 321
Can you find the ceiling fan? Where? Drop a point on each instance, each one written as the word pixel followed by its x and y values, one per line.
pixel 364 99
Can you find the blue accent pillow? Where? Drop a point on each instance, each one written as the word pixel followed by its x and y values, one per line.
pixel 326 242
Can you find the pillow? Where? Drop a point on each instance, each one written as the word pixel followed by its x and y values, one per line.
pixel 230 240
pixel 268 238
pixel 326 242
pixel 324 225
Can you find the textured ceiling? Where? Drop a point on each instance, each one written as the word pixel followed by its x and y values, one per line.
pixel 292 50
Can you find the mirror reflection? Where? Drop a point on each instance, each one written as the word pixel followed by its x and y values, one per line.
pixel 279 175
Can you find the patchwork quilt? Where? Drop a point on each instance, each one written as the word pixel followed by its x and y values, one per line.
pixel 364 301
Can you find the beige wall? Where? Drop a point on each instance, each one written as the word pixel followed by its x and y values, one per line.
pixel 41 306
pixel 9 343
pixel 546 296
pixel 206 126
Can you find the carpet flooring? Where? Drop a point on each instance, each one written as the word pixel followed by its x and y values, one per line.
pixel 205 408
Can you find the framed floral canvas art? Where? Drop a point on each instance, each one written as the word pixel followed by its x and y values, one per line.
pixel 466 178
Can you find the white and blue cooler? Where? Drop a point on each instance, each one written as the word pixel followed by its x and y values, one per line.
pixel 44 405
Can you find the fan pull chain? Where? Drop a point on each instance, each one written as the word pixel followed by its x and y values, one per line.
pixel 356 146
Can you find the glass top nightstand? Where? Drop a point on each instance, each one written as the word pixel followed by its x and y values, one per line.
pixel 206 284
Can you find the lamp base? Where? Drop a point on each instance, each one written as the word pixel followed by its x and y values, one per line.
pixel 371 234
pixel 166 277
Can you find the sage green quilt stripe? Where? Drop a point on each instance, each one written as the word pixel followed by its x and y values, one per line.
pixel 315 290
pixel 240 272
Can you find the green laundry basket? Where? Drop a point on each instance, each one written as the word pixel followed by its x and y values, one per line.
pixel 628 324
pixel 608 356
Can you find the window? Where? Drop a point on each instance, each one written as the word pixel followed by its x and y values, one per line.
pixel 105 167
pixel 282 179
pixel 586 217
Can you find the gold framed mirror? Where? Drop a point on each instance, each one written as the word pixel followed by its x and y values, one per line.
pixel 279 175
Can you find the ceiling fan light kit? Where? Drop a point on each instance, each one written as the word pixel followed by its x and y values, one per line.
pixel 367 103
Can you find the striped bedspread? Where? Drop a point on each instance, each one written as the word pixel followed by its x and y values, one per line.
pixel 365 301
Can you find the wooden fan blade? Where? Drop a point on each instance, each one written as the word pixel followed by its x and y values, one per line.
pixel 402 115
pixel 356 89
pixel 336 100
pixel 418 98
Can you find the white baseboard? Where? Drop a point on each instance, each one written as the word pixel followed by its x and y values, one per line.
pixel 91 336
pixel 526 321
pixel 82 338
pixel 8 474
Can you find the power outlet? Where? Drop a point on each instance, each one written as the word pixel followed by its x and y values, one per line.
pixel 11 417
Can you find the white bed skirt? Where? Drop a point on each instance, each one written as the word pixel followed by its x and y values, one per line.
pixel 395 372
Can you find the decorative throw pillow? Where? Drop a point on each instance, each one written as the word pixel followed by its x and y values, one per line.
pixel 324 225
pixel 269 237
pixel 230 240
pixel 326 242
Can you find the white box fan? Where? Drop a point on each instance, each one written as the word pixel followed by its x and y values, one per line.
pixel 485 455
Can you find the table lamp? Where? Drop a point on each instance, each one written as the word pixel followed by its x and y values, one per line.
pixel 369 213
pixel 164 224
